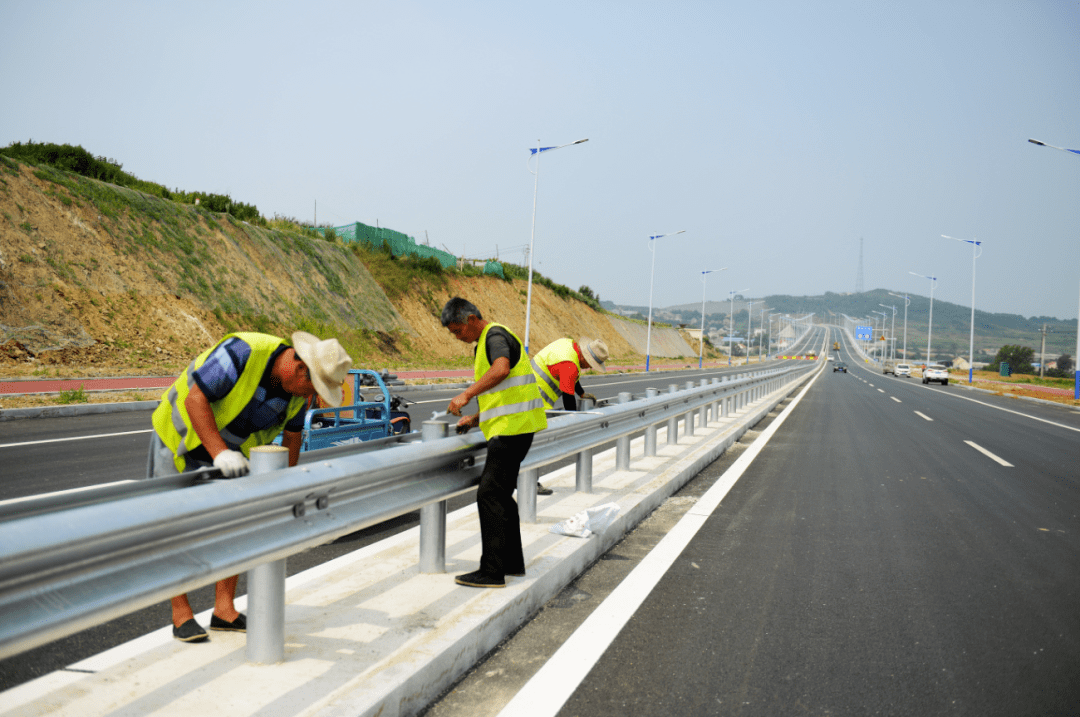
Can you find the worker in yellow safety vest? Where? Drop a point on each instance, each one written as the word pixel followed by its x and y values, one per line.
pixel 238 394
pixel 559 364
pixel 511 412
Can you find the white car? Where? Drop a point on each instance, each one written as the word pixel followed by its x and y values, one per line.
pixel 935 372
pixel 903 369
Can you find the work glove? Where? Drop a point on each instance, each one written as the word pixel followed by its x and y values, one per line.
pixel 589 396
pixel 232 464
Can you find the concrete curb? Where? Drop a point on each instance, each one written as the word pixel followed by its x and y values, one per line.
pixel 76 409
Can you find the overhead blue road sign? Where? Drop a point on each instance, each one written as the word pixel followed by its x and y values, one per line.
pixel 864 333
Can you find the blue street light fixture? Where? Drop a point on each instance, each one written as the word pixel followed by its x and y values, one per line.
pixel 976 252
pixel 930 324
pixel 701 347
pixel 652 272
pixel 731 322
pixel 907 303
pixel 536 153
pixel 1076 358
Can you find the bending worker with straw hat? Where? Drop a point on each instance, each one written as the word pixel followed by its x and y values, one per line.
pixel 559 364
pixel 234 396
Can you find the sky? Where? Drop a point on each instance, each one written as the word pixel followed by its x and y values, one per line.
pixel 776 135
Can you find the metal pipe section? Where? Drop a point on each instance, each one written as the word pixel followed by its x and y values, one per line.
pixel 583 476
pixel 703 412
pixel 526 494
pixel 622 443
pixel 650 432
pixel 673 421
pixel 689 416
pixel 266 582
pixel 433 515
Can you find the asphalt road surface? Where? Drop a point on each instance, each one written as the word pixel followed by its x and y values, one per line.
pixel 894 549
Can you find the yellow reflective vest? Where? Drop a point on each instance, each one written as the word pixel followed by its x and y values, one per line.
pixel 171 420
pixel 513 406
pixel 556 352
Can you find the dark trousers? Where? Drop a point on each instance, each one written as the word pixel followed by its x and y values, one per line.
pixel 500 527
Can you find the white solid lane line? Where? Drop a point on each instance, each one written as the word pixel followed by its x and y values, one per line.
pixel 989 455
pixel 74 438
pixel 923 415
pixel 547 691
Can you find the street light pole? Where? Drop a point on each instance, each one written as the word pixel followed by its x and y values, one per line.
pixel 1076 357
pixel 907 302
pixel 750 325
pixel 731 322
pixel 701 348
pixel 762 329
pixel 930 324
pixel 536 180
pixel 778 313
pixel 892 330
pixel 976 252
pixel 883 317
pixel 652 272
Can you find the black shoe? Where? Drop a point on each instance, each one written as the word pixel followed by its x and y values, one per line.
pixel 237 625
pixel 516 575
pixel 190 632
pixel 477 579
pixel 541 490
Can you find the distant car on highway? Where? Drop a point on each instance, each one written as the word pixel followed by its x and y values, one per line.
pixel 839 366
pixel 889 367
pixel 935 372
pixel 903 369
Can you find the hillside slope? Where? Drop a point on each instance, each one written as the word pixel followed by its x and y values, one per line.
pixel 96 279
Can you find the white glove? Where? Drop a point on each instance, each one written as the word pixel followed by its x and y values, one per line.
pixel 232 464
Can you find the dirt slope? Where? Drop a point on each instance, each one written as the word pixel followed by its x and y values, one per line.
pixel 98 279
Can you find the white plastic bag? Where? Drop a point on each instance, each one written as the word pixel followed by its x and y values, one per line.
pixel 587 522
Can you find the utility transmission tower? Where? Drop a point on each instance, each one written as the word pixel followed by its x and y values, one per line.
pixel 858 277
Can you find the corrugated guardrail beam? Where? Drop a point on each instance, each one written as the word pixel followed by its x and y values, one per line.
pixel 70 569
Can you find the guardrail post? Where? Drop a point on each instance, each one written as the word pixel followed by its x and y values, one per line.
pixel 715 404
pixel 433 515
pixel 650 432
pixel 526 494
pixel 583 477
pixel 703 412
pixel 689 419
pixel 673 422
pixel 266 582
pixel 622 443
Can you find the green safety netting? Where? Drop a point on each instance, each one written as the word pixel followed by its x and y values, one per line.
pixel 401 244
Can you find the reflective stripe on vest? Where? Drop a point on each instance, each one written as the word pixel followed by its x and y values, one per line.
pixel 171 420
pixel 513 406
pixel 556 352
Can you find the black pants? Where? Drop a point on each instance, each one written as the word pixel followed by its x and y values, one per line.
pixel 500 527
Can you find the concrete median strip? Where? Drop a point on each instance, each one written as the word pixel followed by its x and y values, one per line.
pixel 367 633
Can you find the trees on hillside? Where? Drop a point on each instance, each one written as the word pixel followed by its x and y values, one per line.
pixel 1018 357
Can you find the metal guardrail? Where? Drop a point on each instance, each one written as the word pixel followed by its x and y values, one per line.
pixel 66 568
